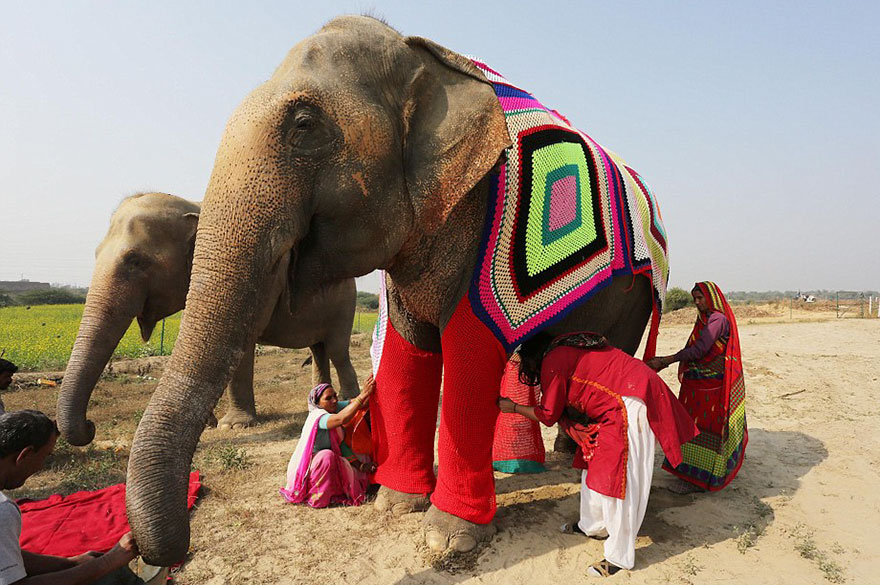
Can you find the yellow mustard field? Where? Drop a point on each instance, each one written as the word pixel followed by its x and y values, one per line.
pixel 41 337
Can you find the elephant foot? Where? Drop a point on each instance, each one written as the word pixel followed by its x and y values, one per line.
pixel 237 420
pixel 445 533
pixel 564 443
pixel 399 503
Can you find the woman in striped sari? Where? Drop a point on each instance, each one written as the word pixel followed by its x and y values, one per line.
pixel 713 392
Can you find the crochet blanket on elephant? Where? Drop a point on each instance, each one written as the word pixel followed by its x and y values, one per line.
pixel 565 216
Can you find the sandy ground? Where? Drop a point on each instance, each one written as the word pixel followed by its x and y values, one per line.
pixel 804 508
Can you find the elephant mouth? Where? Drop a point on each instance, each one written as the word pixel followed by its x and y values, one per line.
pixel 146 326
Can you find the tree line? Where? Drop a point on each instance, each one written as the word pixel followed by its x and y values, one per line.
pixel 44 296
pixel 678 298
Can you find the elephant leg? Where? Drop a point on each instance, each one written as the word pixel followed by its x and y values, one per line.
pixel 464 500
pixel 337 350
pixel 320 364
pixel 403 413
pixel 242 411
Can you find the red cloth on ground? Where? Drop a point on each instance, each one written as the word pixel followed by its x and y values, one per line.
pixel 473 362
pixel 67 526
pixel 403 415
pixel 594 382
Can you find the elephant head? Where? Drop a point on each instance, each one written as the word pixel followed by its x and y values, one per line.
pixel 360 146
pixel 141 270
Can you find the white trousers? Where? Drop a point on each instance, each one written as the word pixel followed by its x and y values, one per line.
pixel 623 518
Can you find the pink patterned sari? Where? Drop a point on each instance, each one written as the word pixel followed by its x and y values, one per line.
pixel 325 477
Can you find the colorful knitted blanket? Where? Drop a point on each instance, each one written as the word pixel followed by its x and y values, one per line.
pixel 566 216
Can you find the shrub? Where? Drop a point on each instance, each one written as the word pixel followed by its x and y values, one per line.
pixel 676 298
pixel 367 300
pixel 50 296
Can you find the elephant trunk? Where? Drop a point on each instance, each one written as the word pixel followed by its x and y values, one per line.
pixel 107 315
pixel 226 295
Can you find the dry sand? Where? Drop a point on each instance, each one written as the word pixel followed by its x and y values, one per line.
pixel 804 508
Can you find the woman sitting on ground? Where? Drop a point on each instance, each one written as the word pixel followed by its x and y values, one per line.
pixel 613 406
pixel 323 469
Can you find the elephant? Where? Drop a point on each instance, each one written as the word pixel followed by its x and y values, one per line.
pixel 370 150
pixel 142 271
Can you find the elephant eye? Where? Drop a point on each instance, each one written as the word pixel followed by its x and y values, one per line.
pixel 303 121
pixel 134 260
pixel 303 129
pixel 299 128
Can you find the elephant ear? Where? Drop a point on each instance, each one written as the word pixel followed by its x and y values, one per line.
pixel 192 221
pixel 454 131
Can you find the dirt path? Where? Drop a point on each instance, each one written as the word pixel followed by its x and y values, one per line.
pixel 803 510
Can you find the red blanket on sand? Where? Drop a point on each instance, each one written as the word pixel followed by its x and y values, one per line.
pixel 85 521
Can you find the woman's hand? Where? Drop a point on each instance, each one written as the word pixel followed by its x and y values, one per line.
pixel 368 389
pixel 657 363
pixel 506 405
pixel 86 557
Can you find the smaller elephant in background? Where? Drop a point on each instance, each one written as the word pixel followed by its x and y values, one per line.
pixel 142 271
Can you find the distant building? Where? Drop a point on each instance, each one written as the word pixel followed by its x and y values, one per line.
pixel 17 286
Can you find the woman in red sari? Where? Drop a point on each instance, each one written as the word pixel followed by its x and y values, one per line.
pixel 713 392
pixel 614 407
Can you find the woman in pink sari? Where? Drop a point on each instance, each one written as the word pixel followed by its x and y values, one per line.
pixel 323 470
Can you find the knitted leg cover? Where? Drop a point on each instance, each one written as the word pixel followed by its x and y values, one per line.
pixel 403 413
pixel 473 362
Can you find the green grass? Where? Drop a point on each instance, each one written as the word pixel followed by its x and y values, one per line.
pixel 364 322
pixel 41 337
pixel 224 457
pixel 805 545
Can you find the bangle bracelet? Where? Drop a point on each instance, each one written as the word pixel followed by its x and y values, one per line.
pixel 514 408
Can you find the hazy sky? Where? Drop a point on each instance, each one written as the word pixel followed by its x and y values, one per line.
pixel 755 123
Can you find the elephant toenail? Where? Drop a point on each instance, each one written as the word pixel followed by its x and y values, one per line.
pixel 436 541
pixel 463 543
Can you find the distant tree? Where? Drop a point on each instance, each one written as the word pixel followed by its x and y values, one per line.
pixel 676 298
pixel 50 296
pixel 367 300
pixel 6 300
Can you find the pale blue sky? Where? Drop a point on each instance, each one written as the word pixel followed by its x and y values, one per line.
pixel 755 123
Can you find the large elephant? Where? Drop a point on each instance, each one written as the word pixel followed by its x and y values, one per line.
pixel 367 149
pixel 142 271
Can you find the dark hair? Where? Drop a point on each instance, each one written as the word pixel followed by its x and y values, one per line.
pixel 7 366
pixel 531 354
pixel 533 350
pixel 25 428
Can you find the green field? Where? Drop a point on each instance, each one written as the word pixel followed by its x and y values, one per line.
pixel 41 337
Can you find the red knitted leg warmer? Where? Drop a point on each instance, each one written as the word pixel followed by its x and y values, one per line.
pixel 403 413
pixel 473 361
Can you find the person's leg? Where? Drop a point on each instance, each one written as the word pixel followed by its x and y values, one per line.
pixel 624 517
pixel 592 521
pixel 323 482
